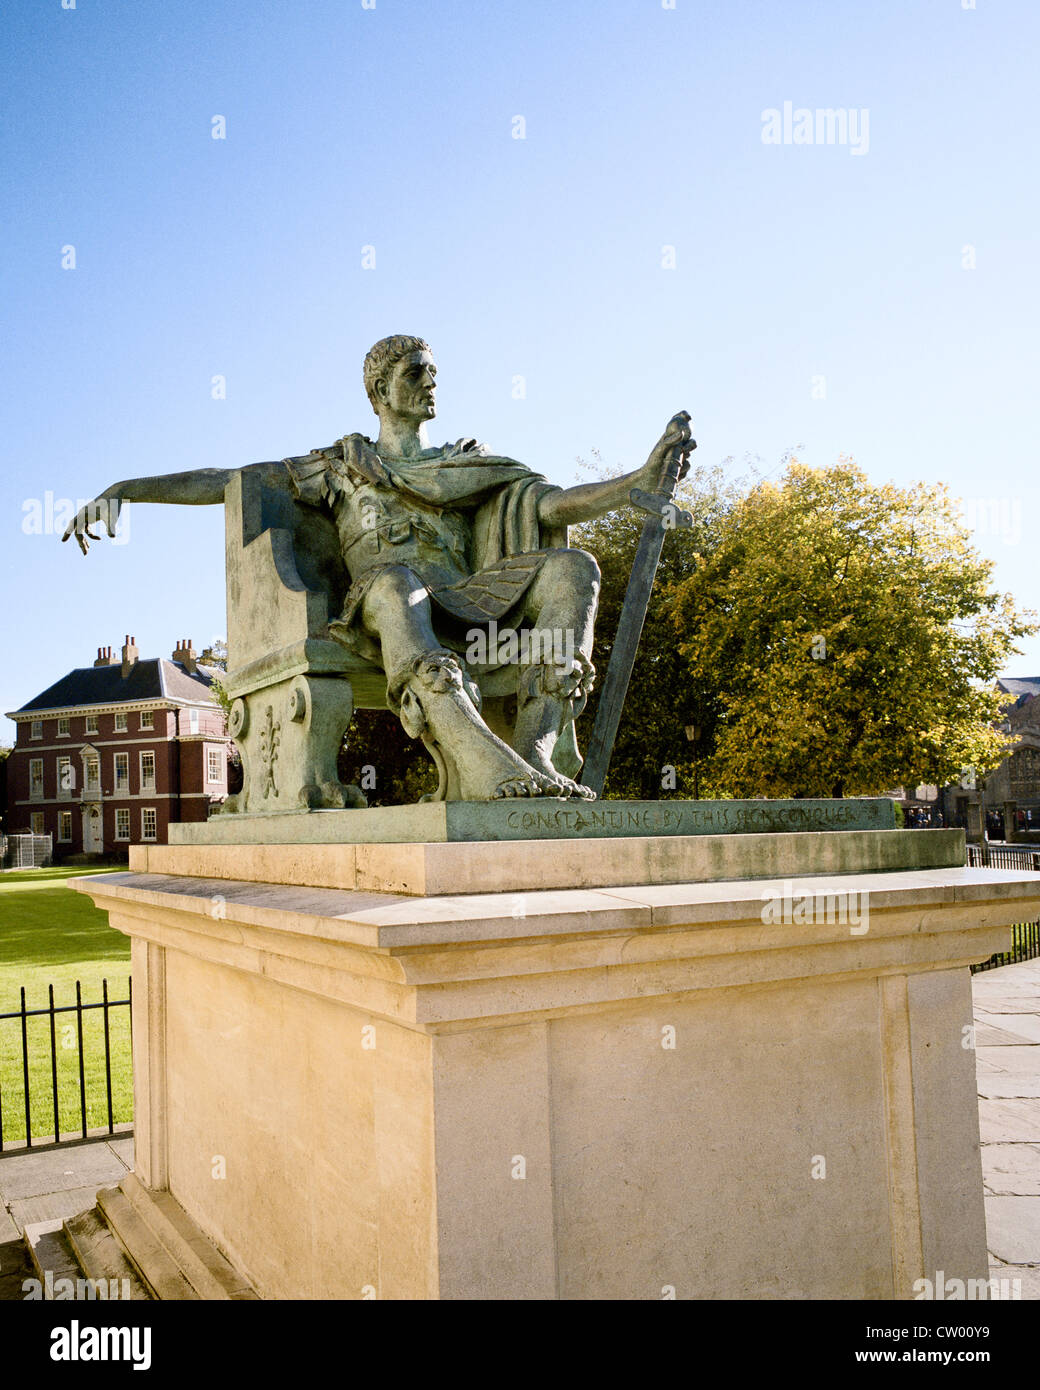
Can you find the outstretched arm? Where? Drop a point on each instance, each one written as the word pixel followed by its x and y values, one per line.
pixel 588 501
pixel 201 487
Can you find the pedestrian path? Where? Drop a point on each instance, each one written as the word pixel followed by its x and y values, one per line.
pixel 58 1183
pixel 1007 1042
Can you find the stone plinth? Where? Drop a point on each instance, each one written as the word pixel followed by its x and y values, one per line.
pixel 759 1088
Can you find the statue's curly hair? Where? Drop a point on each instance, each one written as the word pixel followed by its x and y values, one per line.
pixel 384 357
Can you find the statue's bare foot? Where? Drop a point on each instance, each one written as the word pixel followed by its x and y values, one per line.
pixel 566 786
pixel 531 785
pixel 432 697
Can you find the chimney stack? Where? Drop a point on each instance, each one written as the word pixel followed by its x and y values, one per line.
pixel 129 656
pixel 105 657
pixel 184 653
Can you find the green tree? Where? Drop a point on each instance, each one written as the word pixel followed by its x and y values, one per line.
pixel 851 634
pixel 379 757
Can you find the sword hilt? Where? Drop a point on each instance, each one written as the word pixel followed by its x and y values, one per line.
pixel 661 504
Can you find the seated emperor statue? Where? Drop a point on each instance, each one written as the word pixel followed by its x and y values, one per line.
pixel 439 543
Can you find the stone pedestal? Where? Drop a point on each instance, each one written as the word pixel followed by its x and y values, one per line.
pixel 658 1084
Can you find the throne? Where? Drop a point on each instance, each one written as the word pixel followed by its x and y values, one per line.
pixel 293 688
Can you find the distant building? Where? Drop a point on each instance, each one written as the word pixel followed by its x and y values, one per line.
pixel 1017 779
pixel 110 755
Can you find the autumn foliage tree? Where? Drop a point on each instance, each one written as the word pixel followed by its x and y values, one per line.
pixel 851 635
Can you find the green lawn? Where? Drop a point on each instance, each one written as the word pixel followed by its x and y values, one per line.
pixel 50 935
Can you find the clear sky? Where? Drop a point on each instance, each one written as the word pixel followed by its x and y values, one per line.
pixel 544 258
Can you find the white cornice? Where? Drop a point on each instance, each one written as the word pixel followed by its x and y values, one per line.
pixel 130 706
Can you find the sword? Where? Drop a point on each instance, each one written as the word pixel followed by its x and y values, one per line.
pixel 662 516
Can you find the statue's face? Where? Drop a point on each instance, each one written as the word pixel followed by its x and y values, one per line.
pixel 410 389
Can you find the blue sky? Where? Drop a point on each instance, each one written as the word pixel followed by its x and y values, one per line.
pixel 541 258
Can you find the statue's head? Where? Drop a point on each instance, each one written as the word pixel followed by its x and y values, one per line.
pixel 400 377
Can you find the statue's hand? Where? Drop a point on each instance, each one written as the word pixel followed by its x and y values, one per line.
pixel 675 442
pixel 102 510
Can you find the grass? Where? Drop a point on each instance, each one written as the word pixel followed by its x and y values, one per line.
pixel 50 935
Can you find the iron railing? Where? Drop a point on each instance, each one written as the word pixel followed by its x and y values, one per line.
pixel 1003 856
pixel 30 1098
pixel 1025 945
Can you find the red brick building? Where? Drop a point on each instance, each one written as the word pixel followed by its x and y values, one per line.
pixel 109 755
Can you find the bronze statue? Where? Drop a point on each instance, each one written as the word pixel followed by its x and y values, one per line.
pixel 440 543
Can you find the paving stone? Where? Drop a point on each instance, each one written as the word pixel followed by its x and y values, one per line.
pixel 8 1230
pixel 985 1066
pixel 54 1206
pixel 124 1150
pixel 30 1175
pixel 1024 1027
pixel 1013 1229
pixel 1003 1086
pixel 1027 1275
pixel 986 1035
pixel 1020 1061
pixel 1012 1169
pixel 1009 1121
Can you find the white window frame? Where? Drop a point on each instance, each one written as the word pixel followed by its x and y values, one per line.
pixel 120 787
pixel 36 728
pixel 147 811
pixel 92 724
pixel 35 779
pixel 147 719
pixel 120 722
pixel 122 819
pixel 65 792
pixel 64 728
pixel 92 765
pixel 147 783
pixel 64 818
pixel 213 754
pixel 37 823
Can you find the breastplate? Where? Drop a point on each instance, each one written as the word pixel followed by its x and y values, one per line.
pixel 376 527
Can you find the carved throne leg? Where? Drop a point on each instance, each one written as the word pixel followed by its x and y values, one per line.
pixel 289 736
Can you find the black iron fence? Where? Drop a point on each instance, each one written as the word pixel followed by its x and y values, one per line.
pixel 1025 936
pixel 987 856
pixel 1025 945
pixel 30 1086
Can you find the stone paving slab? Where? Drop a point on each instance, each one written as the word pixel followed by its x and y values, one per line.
pixel 58 1183
pixel 1007 1034
pixel 1013 1228
pixel 29 1174
pixel 1025 1028
pixel 1020 1061
pixel 988 1035
pixel 1001 1086
pixel 1014 1121
pixel 1028 1277
pixel 124 1148
pixel 54 1206
pixel 1012 1169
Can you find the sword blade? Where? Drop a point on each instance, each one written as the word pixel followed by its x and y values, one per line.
pixel 623 654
